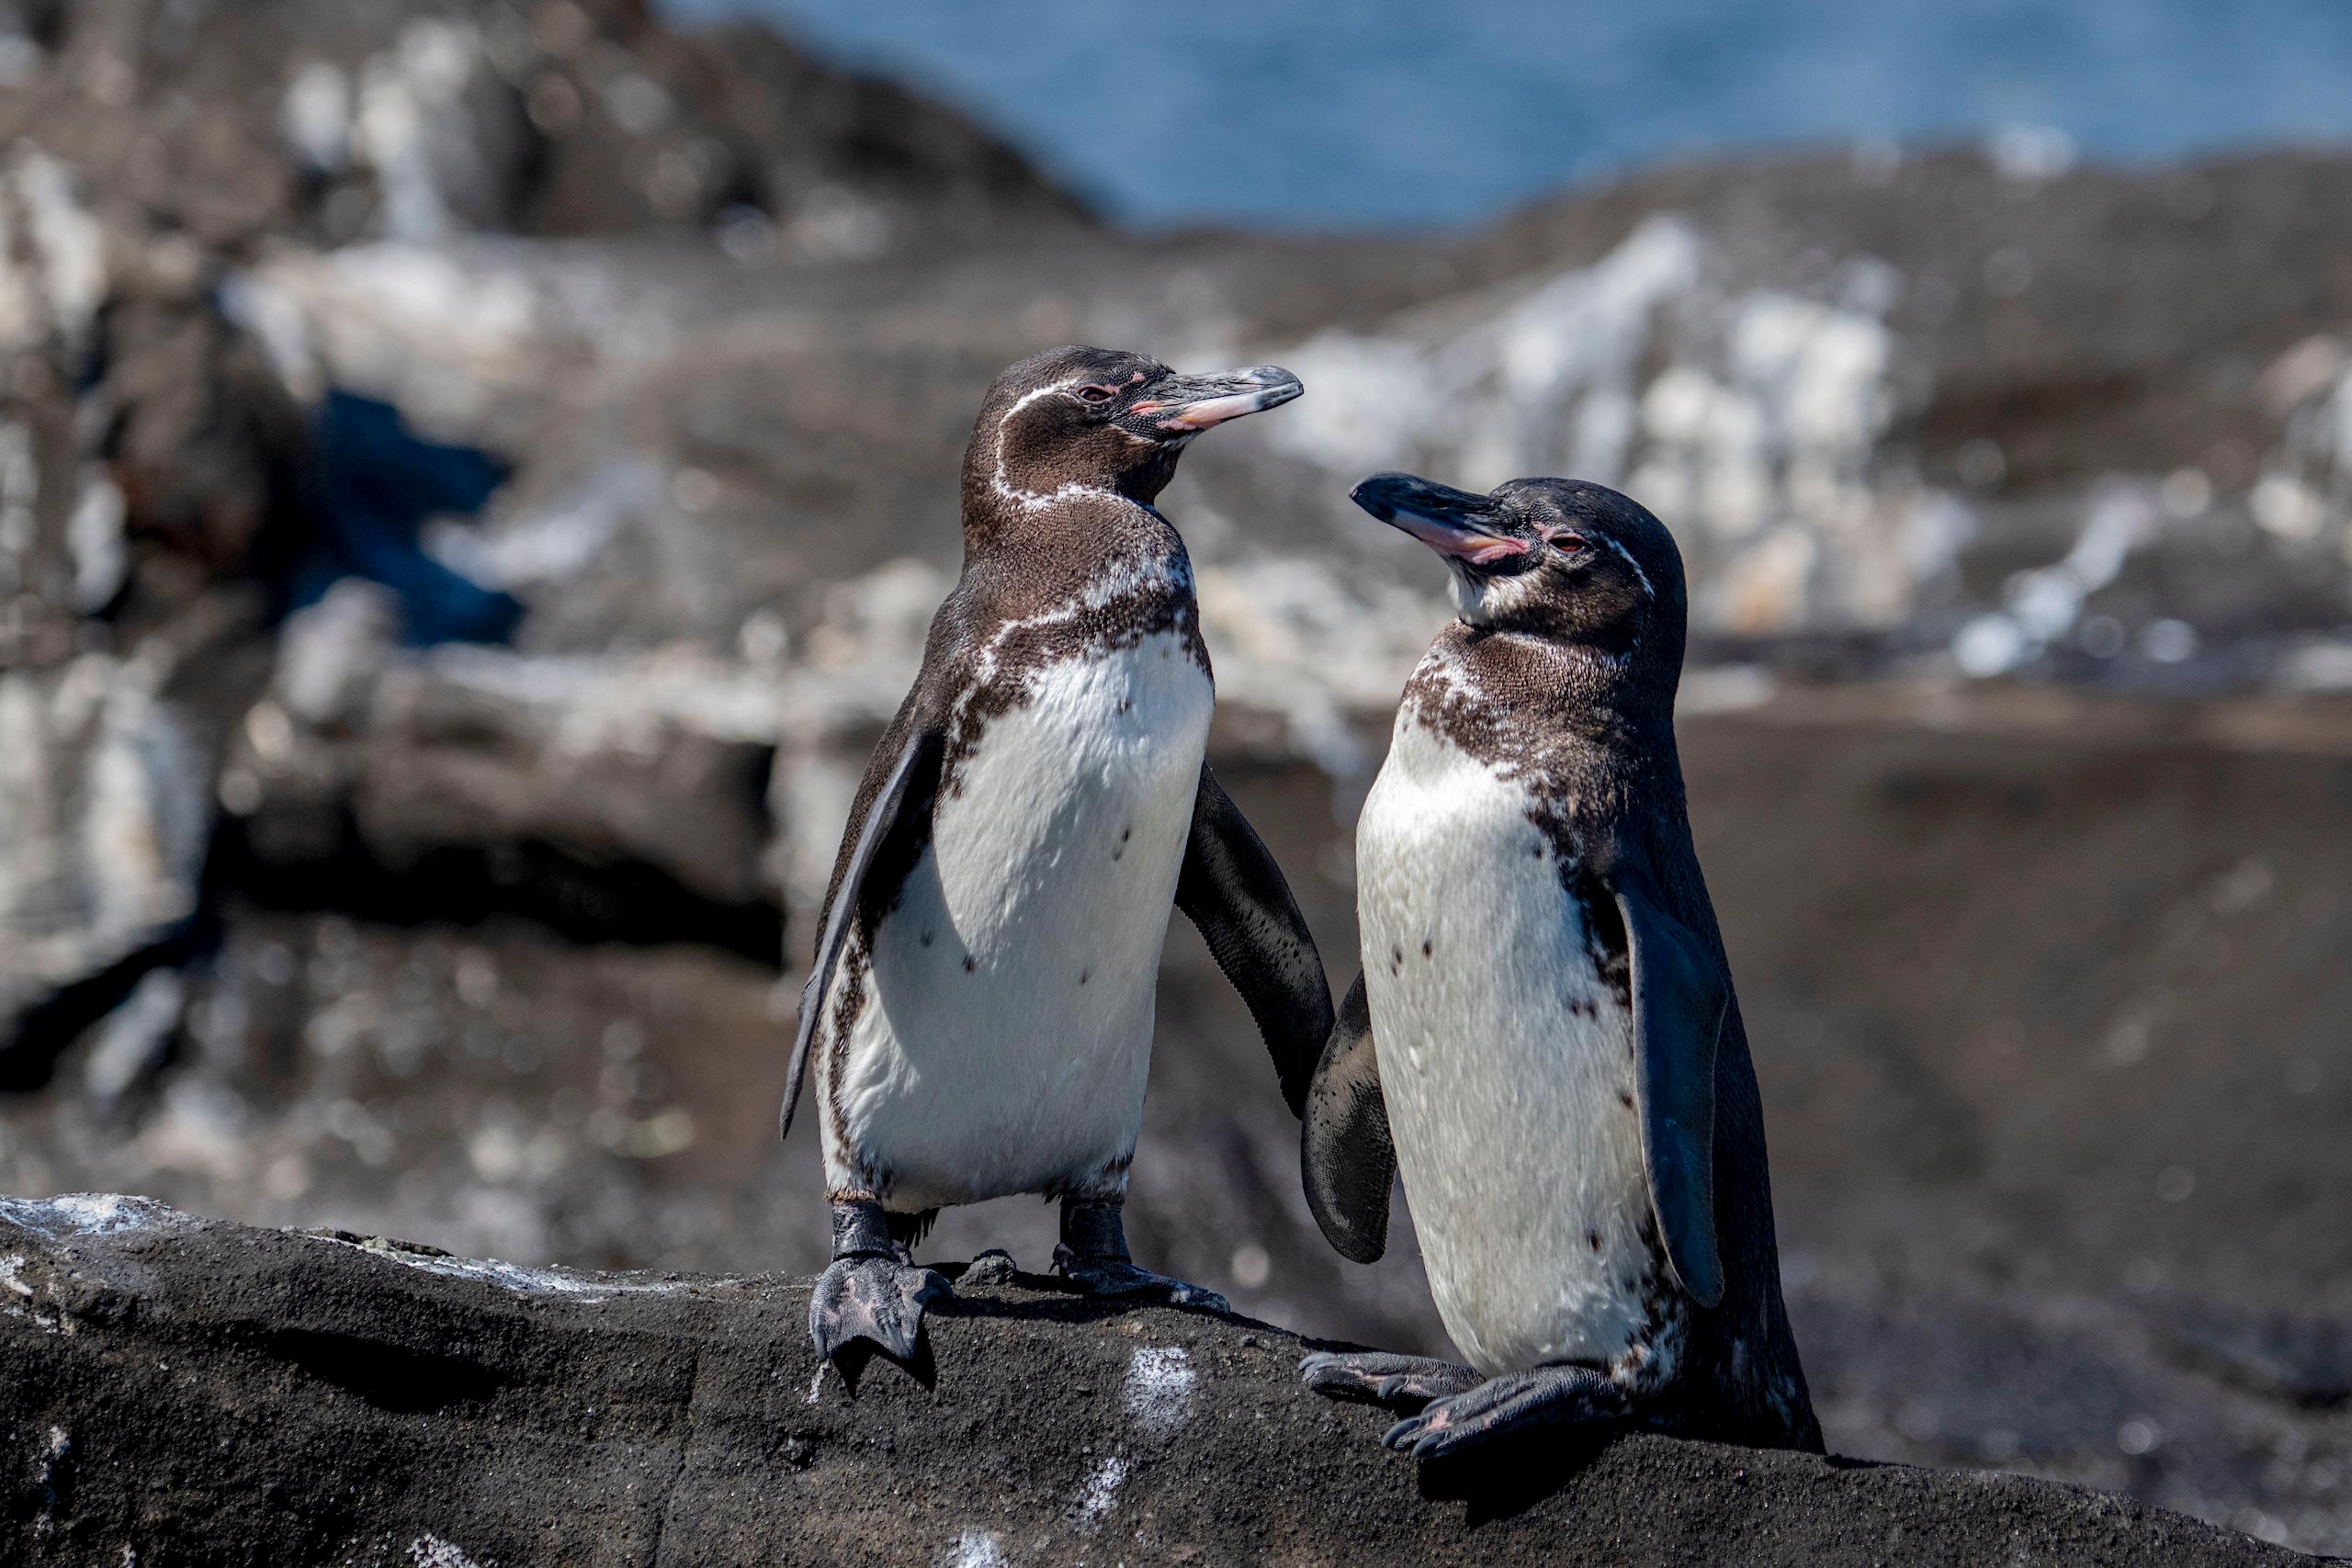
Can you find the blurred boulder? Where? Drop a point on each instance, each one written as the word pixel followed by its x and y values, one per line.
pixel 102 833
pixel 1993 419
pixel 503 1086
pixel 418 120
pixel 611 797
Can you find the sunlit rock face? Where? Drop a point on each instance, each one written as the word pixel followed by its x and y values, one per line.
pixel 1753 418
pixel 1977 432
pixel 102 832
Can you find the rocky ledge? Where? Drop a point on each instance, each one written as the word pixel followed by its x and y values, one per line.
pixel 189 1391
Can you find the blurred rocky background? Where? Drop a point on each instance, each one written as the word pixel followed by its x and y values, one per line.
pixel 474 475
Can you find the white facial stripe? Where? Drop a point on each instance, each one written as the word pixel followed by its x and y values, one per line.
pixel 1642 577
pixel 1030 499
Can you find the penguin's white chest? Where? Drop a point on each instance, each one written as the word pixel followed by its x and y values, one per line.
pixel 1506 1061
pixel 1007 1033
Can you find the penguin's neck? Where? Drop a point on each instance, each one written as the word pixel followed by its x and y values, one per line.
pixel 1073 533
pixel 1584 689
pixel 1575 723
pixel 1084 556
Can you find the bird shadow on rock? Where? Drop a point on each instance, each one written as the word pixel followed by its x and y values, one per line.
pixel 1503 1479
pixel 859 1354
pixel 1048 1297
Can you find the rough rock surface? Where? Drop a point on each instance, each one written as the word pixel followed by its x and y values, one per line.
pixel 185 1391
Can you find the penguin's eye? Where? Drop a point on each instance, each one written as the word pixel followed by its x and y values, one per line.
pixel 1567 541
pixel 1096 395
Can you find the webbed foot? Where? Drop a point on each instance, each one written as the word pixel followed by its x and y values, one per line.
pixel 1117 1277
pixel 1093 1253
pixel 879 1299
pixel 872 1290
pixel 1511 1402
pixel 1376 1377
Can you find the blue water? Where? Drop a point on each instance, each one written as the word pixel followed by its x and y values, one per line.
pixel 1320 114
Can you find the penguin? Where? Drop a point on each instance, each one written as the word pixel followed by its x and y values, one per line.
pixel 1545 1037
pixel 978 1013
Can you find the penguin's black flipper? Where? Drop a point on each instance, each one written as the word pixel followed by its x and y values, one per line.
pixel 1231 889
pixel 913 779
pixel 1680 998
pixel 1345 1151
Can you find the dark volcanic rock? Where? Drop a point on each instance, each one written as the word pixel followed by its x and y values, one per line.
pixel 193 1391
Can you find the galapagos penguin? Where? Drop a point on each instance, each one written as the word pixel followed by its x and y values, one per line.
pixel 979 1009
pixel 1559 1067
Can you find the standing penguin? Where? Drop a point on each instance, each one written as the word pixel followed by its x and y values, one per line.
pixel 979 1010
pixel 1560 1068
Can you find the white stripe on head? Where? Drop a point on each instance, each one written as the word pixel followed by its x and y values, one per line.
pixel 1627 557
pixel 1030 499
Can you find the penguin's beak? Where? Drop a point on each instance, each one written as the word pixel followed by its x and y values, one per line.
pixel 1181 405
pixel 1452 522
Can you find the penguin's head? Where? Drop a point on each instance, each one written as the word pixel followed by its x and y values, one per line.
pixel 1556 558
pixel 1102 419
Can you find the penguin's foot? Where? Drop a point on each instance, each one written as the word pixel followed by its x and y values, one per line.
pixel 1093 1253
pixel 1376 1377
pixel 879 1298
pixel 1118 1277
pixel 1512 1402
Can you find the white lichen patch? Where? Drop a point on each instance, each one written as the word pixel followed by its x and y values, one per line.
pixel 52 256
pixel 102 818
pixel 2041 607
pixel 87 1213
pixel 46 1458
pixel 14 1287
pixel 1099 1490
pixel 1159 1388
pixel 12 1283
pixel 975 1549
pixel 586 1289
pixel 432 1552
pixel 2304 494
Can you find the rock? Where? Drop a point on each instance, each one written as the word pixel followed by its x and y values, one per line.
pixel 102 837
pixel 609 797
pixel 421 118
pixel 494 1085
pixel 1865 409
pixel 1788 368
pixel 366 1400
